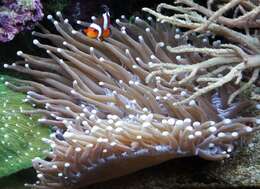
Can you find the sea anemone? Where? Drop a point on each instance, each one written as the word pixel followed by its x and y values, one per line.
pixel 230 61
pixel 106 117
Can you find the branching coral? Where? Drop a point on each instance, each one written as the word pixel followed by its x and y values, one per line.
pixel 107 118
pixel 222 63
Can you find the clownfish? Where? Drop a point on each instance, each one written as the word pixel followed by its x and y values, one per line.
pixel 101 29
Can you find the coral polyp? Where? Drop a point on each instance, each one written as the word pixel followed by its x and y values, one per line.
pixel 107 117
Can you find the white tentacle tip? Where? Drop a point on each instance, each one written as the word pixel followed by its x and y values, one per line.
pixel 147 29
pixel 59 50
pixel 35 42
pixel 140 38
pixel 6 65
pixel 73 92
pixel 49 17
pixel 93 18
pixel 249 129
pixel 19 53
pixel 74 32
pixel 55 22
pixel 58 13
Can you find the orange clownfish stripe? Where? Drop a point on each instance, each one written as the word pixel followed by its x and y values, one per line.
pixel 106 33
pixel 91 32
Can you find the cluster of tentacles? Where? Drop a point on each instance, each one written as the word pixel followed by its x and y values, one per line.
pixel 235 61
pixel 105 116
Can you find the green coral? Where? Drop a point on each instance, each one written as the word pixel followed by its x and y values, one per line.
pixel 20 135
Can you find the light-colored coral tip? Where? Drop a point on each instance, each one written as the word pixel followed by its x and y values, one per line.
pixel 177 36
pixel 221 134
pixel 19 53
pixel 101 83
pixel 33 32
pixel 55 22
pixel 79 22
pixel 227 121
pixel 179 123
pixel 48 51
pixel 67 164
pixel 58 13
pixel 123 17
pixel 234 134
pixel 139 137
pixel 65 43
pixel 59 50
pixel 183 93
pixel 49 17
pixel 35 42
pixel 73 31
pixel 161 44
pixel 153 56
pixel 117 21
pixel 75 82
pixel 198 133
pixel 91 49
pixel 146 124
pixel 189 128
pixel 6 83
pixel 73 92
pixel 178 57
pixel 192 103
pixel 212 129
pixel 140 38
pixel 66 20
pixel 93 18
pixel 137 18
pixel 54 166
pixel 165 133
pixel 6 65
pixel 191 136
pixel 171 121
pixel 248 129
pixel 187 120
pixel 127 51
pixel 39 175
pixel 212 123
pixel 147 29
